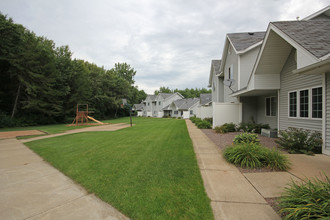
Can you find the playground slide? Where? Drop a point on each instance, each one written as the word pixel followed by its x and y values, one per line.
pixel 93 119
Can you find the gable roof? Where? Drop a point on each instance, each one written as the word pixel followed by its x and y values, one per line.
pixel 242 41
pixel 138 107
pixel 165 95
pixel 205 98
pixel 185 104
pixel 215 68
pixel 310 36
pixel 324 13
pixel 151 97
pixel 313 35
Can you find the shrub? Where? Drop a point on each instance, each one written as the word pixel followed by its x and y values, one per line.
pixel 298 140
pixel 306 200
pixel 245 155
pixel 255 156
pixel 246 138
pixel 203 124
pixel 209 120
pixel 225 128
pixel 252 127
pixel 276 160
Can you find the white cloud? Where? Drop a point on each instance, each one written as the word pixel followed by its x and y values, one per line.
pixel 170 43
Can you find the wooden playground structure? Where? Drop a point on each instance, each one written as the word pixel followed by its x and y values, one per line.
pixel 82 116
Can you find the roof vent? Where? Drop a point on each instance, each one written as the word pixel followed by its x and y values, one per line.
pixel 251 33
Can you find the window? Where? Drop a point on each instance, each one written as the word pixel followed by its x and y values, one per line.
pixel 175 112
pixel 271 106
pixel 305 101
pixel 317 102
pixel 303 106
pixel 148 103
pixel 293 104
pixel 159 102
pixel 230 73
pixel 191 112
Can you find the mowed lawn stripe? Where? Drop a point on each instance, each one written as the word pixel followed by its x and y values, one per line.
pixel 148 171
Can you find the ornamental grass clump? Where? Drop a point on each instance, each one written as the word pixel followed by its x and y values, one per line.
pixel 245 155
pixel 247 138
pixel 248 153
pixel 309 200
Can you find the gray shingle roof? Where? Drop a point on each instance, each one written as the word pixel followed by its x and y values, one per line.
pixel 216 66
pixel 152 97
pixel 241 41
pixel 313 35
pixel 185 104
pixel 205 98
pixel 138 107
pixel 166 95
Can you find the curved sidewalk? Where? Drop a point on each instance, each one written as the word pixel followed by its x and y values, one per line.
pixel 30 188
pixel 232 195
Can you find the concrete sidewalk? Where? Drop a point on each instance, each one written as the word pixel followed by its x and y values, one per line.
pixel 110 127
pixel 232 195
pixel 30 188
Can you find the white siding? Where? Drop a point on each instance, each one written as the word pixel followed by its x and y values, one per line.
pixel 291 82
pixel 267 81
pixel 247 62
pixel 232 62
pixel 327 113
pixel 226 113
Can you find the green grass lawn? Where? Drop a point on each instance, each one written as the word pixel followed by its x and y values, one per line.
pixel 148 171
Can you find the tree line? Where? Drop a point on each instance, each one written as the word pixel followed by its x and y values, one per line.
pixel 42 83
pixel 187 93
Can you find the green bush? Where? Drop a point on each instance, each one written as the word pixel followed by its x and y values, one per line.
pixel 309 200
pixel 252 127
pixel 298 140
pixel 203 124
pixel 209 120
pixel 246 138
pixel 255 156
pixel 225 128
pixel 275 160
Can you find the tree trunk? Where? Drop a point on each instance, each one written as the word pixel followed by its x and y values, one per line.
pixel 16 100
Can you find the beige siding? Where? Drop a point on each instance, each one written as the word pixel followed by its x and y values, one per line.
pixel 327 123
pixel 291 82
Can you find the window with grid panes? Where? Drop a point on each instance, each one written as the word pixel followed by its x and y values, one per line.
pixel 293 104
pixel 303 100
pixel 317 102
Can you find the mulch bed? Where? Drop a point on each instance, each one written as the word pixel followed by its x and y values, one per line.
pixel 225 140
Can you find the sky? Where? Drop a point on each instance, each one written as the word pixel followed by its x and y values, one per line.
pixel 169 43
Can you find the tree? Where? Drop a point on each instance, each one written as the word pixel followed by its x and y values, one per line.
pixel 125 71
pixel 163 89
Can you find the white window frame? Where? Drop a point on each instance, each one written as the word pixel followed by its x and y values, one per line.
pixel 176 112
pixel 270 110
pixel 311 101
pixel 231 72
pixel 310 106
pixel 297 101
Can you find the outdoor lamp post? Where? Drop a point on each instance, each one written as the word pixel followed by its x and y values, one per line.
pixel 130 109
